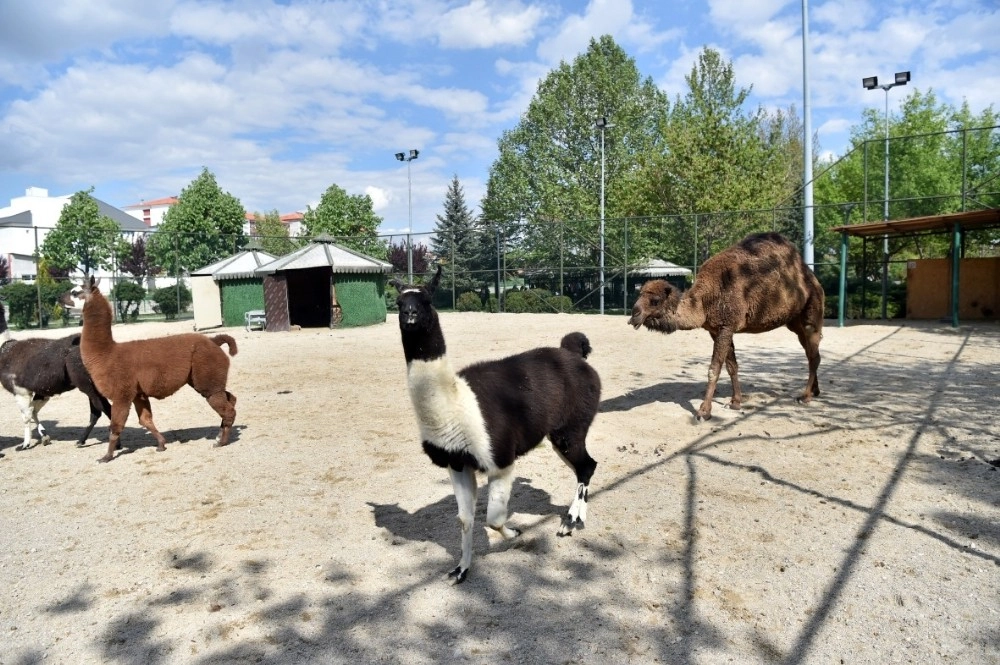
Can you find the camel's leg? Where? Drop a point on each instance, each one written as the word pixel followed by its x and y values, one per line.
pixel 145 412
pixel 496 508
pixel 224 404
pixel 119 414
pixel 733 368
pixel 723 341
pixel 809 338
pixel 464 484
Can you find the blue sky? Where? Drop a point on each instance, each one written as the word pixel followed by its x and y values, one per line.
pixel 280 99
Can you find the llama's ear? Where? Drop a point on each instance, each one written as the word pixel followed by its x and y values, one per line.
pixel 396 284
pixel 432 287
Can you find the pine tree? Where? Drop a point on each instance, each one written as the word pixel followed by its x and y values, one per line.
pixel 454 240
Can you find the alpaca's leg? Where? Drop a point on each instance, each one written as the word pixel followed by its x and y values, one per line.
pixel 145 412
pixel 733 368
pixel 119 414
pixel 224 404
pixel 24 400
pixel 464 485
pixel 496 508
pixel 572 448
pixel 723 340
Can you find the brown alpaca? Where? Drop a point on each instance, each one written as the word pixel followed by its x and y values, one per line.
pixel 757 285
pixel 132 372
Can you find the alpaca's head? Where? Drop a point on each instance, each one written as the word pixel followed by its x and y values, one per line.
pixel 415 303
pixel 655 306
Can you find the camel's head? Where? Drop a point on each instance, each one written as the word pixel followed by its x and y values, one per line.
pixel 415 303
pixel 655 306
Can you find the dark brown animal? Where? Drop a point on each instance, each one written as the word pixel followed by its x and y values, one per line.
pixel 34 370
pixel 133 372
pixel 757 285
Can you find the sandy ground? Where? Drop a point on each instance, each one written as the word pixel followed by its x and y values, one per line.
pixel 864 528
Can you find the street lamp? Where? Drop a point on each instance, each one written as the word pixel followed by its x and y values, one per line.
pixel 871 83
pixel 602 124
pixel 409 157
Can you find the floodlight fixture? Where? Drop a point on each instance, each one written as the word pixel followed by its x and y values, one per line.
pixel 870 83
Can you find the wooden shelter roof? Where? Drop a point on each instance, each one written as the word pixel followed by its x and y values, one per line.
pixel 969 220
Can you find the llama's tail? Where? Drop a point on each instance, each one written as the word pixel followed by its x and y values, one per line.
pixel 576 342
pixel 226 339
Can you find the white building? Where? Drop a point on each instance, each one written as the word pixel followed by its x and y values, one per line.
pixel 28 219
pixel 151 212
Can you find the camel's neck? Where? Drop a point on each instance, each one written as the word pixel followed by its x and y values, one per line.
pixel 690 313
pixel 96 336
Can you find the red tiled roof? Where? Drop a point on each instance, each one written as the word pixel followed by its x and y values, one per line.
pixel 168 201
pixel 290 217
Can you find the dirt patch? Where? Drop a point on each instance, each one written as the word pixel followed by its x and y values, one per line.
pixel 860 528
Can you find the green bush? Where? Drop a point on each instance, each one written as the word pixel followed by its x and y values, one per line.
pixel 21 302
pixel 128 296
pixel 534 301
pixel 469 302
pixel 166 300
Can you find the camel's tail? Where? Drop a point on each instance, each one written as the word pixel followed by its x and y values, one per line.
pixel 226 339
pixel 576 342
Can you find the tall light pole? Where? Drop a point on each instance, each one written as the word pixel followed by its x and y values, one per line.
pixel 807 165
pixel 871 83
pixel 409 157
pixel 602 124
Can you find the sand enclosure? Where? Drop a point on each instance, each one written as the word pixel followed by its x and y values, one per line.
pixel 863 528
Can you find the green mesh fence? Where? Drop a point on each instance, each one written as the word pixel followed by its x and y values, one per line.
pixel 240 296
pixel 361 298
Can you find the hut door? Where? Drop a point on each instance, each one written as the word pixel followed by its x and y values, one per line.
pixel 276 302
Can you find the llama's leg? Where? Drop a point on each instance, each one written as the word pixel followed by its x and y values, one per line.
pixel 496 509
pixel 224 404
pixel 95 414
pixel 24 400
pixel 36 406
pixel 119 414
pixel 464 485
pixel 733 368
pixel 145 412
pixel 572 448
pixel 723 340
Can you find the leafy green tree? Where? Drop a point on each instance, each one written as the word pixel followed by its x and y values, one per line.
pixel 204 226
pixel 273 233
pixel 172 300
pixel 350 219
pixel 717 162
pixel 454 239
pixel 83 239
pixel 4 271
pixel 128 296
pixel 543 192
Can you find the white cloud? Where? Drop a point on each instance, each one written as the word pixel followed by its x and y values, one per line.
pixel 380 197
pixel 601 17
pixel 482 25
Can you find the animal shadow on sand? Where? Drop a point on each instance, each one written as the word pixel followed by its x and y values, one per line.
pixel 678 392
pixel 134 438
pixel 435 523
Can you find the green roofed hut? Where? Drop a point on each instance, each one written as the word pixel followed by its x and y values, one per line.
pixel 324 285
pixel 221 293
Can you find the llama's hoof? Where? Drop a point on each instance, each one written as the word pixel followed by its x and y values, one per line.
pixel 81 444
pixel 25 446
pixel 219 444
pixel 458 575
pixel 702 417
pixel 569 524
pixel 105 459
pixel 46 440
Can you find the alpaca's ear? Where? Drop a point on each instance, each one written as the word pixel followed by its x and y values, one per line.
pixel 396 284
pixel 432 287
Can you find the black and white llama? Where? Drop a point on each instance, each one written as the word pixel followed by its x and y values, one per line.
pixel 34 370
pixel 490 413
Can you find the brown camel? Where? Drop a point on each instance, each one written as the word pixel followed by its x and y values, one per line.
pixel 754 286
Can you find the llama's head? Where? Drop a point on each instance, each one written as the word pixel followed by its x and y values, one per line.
pixel 415 303
pixel 655 306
